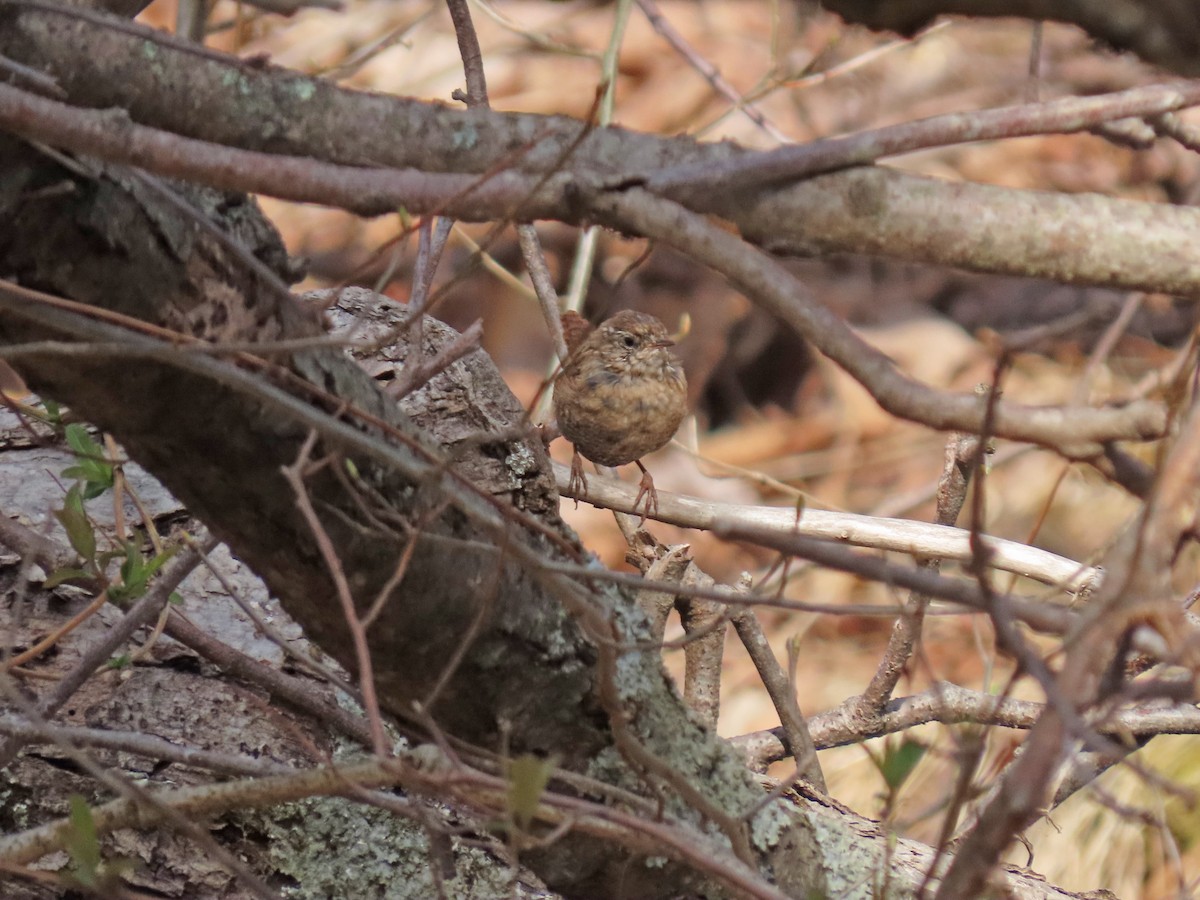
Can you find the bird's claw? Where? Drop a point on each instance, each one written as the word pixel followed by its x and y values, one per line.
pixel 577 483
pixel 646 489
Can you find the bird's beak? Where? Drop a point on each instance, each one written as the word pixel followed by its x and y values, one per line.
pixel 667 342
pixel 685 326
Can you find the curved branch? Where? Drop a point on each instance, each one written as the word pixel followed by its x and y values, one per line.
pixel 920 539
pixel 1076 432
pixel 1080 239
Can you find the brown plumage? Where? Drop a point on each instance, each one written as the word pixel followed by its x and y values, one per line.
pixel 621 394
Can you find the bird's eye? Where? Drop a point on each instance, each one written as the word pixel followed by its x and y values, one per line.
pixel 629 341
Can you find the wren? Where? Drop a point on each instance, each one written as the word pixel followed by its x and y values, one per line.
pixel 621 394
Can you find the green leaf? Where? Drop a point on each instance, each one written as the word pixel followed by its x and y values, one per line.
pixel 88 868
pixel 82 844
pixel 75 522
pixel 136 572
pixel 899 761
pixel 90 464
pixel 93 489
pixel 105 557
pixel 82 443
pixel 59 576
pixel 131 568
pixel 527 779
pixel 133 577
pixel 160 560
pixel 119 662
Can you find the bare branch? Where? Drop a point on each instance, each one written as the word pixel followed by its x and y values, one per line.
pixel 918 539
pixel 1075 432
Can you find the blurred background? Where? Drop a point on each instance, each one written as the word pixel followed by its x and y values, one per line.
pixel 773 422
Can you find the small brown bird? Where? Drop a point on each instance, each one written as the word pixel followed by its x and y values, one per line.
pixel 621 394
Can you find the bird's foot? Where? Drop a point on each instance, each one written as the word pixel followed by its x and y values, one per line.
pixel 646 489
pixel 577 483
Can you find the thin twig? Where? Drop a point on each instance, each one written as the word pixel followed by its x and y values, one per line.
pixel 37 79
pixel 413 377
pixel 146 745
pixel 487 602
pixel 294 691
pixel 136 797
pixel 28 544
pixel 585 252
pixel 57 634
pixel 144 611
pixel 795 731
pixel 294 475
pixel 707 70
pixel 301 659
pixel 951 494
pixel 543 285
pixel 795 161
pixel 472 56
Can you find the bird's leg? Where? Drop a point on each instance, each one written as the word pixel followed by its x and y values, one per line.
pixel 646 489
pixel 577 483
